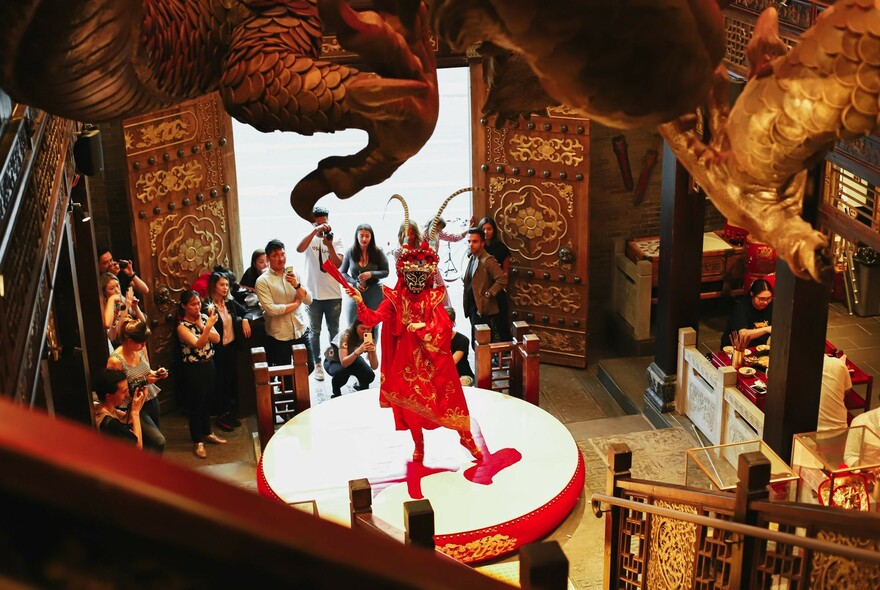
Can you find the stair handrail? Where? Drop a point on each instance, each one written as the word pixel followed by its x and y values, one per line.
pixel 845 551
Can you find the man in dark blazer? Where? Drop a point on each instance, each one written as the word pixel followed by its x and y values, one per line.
pixel 483 279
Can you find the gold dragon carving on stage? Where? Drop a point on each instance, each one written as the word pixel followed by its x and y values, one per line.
pixel 797 103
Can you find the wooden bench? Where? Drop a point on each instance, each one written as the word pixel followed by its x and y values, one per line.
pixel 282 391
pixel 509 367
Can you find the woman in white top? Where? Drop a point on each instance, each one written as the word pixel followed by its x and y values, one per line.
pixel 131 357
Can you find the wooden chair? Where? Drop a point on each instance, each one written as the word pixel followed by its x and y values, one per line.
pixel 509 367
pixel 282 391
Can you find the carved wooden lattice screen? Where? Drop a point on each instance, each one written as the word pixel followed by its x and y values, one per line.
pixel 536 176
pixel 182 190
pixel 35 180
pixel 660 552
pixel 849 203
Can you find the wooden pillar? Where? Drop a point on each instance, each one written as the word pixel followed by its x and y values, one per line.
pixel 418 519
pixel 360 499
pixel 543 566
pixel 619 465
pixel 678 291
pixel 531 367
pixel 753 471
pixel 301 377
pixel 483 356
pixel 265 416
pixel 800 321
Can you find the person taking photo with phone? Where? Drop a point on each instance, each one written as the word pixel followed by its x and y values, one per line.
pixel 345 358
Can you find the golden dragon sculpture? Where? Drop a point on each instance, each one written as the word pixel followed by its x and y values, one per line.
pixel 652 62
pixel 99 60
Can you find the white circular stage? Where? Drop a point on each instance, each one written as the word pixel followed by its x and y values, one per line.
pixel 530 477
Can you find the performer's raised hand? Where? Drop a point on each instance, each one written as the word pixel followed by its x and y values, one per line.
pixel 354 294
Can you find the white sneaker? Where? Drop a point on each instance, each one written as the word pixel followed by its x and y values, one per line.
pixel 318 373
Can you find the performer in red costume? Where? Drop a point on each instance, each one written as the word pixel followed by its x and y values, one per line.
pixel 419 379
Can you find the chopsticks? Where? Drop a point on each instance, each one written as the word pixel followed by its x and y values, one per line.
pixel 739 341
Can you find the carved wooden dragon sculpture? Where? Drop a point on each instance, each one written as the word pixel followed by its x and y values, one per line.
pixel 98 60
pixel 654 61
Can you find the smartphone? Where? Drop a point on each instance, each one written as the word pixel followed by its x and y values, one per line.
pixel 368 337
pixel 289 270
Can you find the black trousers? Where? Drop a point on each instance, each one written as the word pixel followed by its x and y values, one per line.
pixel 226 388
pixel 360 368
pixel 198 380
pixel 278 351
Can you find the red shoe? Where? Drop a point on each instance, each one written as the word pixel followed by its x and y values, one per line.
pixel 467 441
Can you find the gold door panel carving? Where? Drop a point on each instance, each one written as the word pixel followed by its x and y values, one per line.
pixel 532 218
pixel 569 152
pixel 181 179
pixel 536 176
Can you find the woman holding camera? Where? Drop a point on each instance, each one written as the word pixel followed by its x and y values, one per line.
pixel 344 357
pixel 197 336
pixel 131 358
pixel 111 387
pixel 231 321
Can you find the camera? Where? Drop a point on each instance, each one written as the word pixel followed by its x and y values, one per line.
pixel 136 383
pixel 328 235
pixel 120 306
pixel 123 264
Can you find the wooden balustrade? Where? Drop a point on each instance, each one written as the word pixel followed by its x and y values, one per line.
pixel 655 532
pixel 543 566
pixel 510 367
pixel 282 391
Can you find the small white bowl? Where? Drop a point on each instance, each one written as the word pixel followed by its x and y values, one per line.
pixel 746 371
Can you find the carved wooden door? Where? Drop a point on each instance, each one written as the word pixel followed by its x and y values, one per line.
pixel 182 190
pixel 536 176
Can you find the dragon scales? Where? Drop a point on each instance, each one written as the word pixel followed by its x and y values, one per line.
pixel 99 60
pixel 654 61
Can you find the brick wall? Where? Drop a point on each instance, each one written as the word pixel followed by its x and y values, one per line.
pixel 612 213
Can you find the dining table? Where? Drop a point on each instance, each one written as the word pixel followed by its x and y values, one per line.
pixel 750 385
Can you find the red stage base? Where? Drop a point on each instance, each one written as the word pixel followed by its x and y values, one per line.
pixel 529 480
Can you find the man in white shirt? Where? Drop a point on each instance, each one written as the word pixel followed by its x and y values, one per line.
pixel 835 382
pixel 320 245
pixel 282 296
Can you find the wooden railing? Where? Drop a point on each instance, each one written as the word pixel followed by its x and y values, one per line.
pixel 512 367
pixel 661 535
pixel 282 391
pixel 541 566
pixel 87 510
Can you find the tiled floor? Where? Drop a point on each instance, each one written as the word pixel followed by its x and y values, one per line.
pixel 578 400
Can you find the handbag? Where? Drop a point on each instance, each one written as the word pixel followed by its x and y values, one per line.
pixel 330 354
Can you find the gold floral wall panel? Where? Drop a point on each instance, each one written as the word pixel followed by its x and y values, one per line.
pixel 536 174
pixel 181 181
